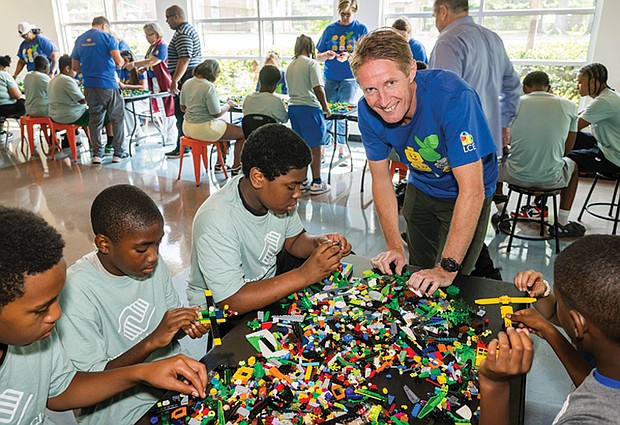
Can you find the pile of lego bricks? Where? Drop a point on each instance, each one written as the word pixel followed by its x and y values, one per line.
pixel 344 353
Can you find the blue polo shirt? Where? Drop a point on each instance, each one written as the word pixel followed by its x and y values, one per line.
pixel 339 38
pixel 448 130
pixel 160 52
pixel 92 50
pixel 39 46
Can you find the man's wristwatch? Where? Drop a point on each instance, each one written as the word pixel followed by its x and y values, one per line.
pixel 450 265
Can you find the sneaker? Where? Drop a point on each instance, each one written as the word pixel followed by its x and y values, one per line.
pixel 96 160
pixel 495 220
pixel 235 171
pixel 530 212
pixel 176 154
pixel 121 157
pixel 108 148
pixel 305 186
pixel 319 188
pixel 6 136
pixel 218 168
pixel 345 162
pixel 571 229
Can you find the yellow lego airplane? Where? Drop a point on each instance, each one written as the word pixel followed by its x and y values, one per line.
pixel 505 307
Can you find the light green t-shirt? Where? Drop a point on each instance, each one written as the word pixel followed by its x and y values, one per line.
pixel 6 82
pixel 64 95
pixel 537 138
pixel 302 76
pixel 29 376
pixel 266 104
pixel 603 114
pixel 35 90
pixel 106 315
pixel 231 246
pixel 200 99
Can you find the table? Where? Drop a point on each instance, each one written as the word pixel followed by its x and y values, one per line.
pixel 235 346
pixel 347 116
pixel 131 107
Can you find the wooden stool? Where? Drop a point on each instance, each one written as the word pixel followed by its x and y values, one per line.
pixel 199 149
pixel 613 203
pixel 28 122
pixel 70 130
pixel 530 192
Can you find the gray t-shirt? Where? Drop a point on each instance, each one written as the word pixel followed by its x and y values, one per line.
pixel 302 76
pixel 266 104
pixel 594 402
pixel 604 116
pixel 29 376
pixel 538 136
pixel 200 99
pixel 64 96
pixel 6 82
pixel 231 246
pixel 35 90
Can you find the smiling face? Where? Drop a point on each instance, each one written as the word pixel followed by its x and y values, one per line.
pixel 388 90
pixel 32 316
pixel 281 194
pixel 135 254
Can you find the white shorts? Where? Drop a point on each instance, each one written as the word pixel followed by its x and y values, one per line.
pixel 560 183
pixel 210 131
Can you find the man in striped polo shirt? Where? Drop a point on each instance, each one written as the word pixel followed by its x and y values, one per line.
pixel 184 54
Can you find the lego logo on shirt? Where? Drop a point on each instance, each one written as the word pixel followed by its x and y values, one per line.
pixel 134 320
pixel 467 140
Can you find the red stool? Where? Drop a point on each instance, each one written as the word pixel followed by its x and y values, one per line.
pixel 29 122
pixel 400 167
pixel 199 149
pixel 70 129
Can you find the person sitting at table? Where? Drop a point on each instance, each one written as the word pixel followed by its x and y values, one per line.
pixel 201 105
pixel 264 101
pixel 247 238
pixel 274 59
pixel 158 78
pixel 132 79
pixel 119 305
pixel 589 315
pixel 307 105
pixel 35 88
pixel 11 101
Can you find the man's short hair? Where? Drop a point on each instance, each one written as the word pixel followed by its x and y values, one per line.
pixel 269 76
pixel 275 150
pixel 455 6
pixel 536 78
pixel 100 20
pixel 120 209
pixel 41 63
pixel 175 10
pixel 64 61
pixel 382 43
pixel 587 277
pixel 28 246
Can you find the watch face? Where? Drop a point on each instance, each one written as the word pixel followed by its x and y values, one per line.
pixel 450 265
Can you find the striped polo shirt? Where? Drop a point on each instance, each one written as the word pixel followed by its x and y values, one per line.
pixel 185 43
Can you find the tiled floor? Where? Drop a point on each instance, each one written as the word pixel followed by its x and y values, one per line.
pixel 62 191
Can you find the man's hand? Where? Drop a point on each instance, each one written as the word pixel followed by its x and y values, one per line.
pixel 165 374
pixel 533 321
pixel 530 281
pixel 323 261
pixel 427 281
pixel 337 238
pixel 510 355
pixel 174 87
pixel 384 260
pixel 171 323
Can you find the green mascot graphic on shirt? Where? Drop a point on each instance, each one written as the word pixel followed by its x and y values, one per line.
pixel 426 152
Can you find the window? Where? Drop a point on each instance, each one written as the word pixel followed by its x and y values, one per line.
pixel 549 35
pixel 240 33
pixel 126 20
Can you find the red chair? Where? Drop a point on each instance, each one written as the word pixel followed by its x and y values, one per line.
pixel 29 122
pixel 199 149
pixel 70 129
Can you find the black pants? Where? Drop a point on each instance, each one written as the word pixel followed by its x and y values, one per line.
pixel 16 109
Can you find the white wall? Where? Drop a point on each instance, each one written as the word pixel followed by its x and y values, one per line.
pixel 606 44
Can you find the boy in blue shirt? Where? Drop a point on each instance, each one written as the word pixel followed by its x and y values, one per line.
pixel 587 295
pixel 435 122
pixel 119 303
pixel 34 369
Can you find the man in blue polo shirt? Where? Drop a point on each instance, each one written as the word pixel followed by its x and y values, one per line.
pixel 97 56
pixel 435 122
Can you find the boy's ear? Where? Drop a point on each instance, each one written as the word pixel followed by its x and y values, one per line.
pixel 103 243
pixel 580 324
pixel 257 178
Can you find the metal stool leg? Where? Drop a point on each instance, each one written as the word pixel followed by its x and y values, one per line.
pixel 513 229
pixel 613 198
pixel 617 203
pixel 585 204
pixel 555 224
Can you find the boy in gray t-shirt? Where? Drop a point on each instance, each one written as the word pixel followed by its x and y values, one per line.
pixel 239 232
pixel 35 88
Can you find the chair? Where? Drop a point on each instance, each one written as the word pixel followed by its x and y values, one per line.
pixel 251 122
pixel 4 122
pixel 395 165
pixel 28 122
pixel 70 130
pixel 530 192
pixel 199 149
pixel 613 203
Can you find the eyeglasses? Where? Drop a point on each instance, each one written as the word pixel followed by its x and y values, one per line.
pixel 346 15
pixel 150 34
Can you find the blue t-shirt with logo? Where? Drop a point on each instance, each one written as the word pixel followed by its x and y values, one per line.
pixel 39 46
pixel 160 52
pixel 340 38
pixel 448 130
pixel 92 49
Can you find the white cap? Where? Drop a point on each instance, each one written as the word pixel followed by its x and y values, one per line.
pixel 24 27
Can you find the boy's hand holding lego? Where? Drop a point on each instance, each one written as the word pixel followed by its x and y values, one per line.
pixel 338 239
pixel 196 329
pixel 533 321
pixel 323 261
pixel 173 321
pixel 532 282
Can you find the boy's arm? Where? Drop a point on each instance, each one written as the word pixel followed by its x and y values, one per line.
pixel 88 388
pixel 510 355
pixel 320 95
pixel 304 244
